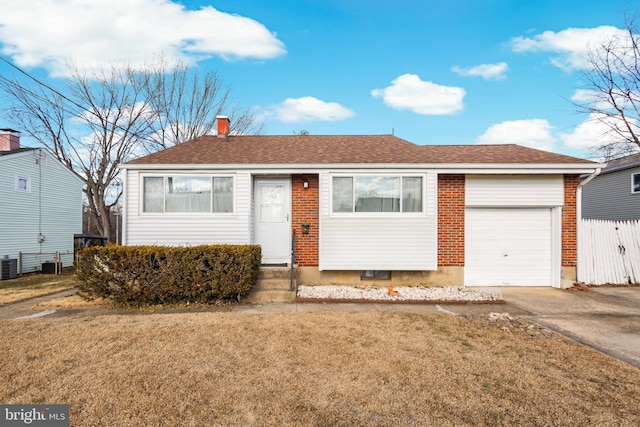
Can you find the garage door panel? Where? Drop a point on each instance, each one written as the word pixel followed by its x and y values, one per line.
pixel 508 247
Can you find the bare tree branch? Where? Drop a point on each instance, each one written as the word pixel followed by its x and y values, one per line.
pixel 613 81
pixel 188 102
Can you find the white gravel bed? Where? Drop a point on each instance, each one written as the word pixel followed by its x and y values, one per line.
pixel 405 293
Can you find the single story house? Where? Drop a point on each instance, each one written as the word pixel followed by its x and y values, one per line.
pixel 614 194
pixel 366 208
pixel 40 205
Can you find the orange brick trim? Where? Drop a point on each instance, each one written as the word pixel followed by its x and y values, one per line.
pixel 305 209
pixel 451 220
pixel 569 221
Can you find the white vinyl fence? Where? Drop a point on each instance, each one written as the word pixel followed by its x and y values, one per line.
pixel 609 252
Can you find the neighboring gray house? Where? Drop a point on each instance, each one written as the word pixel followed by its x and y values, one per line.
pixel 615 193
pixel 40 205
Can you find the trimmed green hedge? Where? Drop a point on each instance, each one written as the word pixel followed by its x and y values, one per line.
pixel 149 275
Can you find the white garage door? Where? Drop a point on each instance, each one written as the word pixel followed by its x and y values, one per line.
pixel 508 247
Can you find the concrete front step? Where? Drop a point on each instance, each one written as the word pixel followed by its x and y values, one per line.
pixel 257 297
pixel 275 273
pixel 273 285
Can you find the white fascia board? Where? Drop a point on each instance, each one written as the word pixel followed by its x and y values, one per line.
pixel 572 168
pixel 520 170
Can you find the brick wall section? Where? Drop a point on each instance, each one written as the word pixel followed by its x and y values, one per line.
pixel 305 208
pixel 450 220
pixel 569 221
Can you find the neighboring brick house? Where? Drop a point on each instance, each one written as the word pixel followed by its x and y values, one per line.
pixel 366 207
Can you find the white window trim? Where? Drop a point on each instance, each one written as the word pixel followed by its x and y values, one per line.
pixel 141 211
pixel 633 175
pixel 379 214
pixel 26 178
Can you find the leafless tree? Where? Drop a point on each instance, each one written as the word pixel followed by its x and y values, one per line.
pixel 187 103
pixel 611 92
pixel 96 122
pixel 92 125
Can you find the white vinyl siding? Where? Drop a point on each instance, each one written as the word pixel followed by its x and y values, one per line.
pixel 508 247
pixel 394 242
pixel 378 244
pixel 176 229
pixel 53 207
pixel 514 190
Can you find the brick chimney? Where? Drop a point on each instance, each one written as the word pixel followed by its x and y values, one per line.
pixel 9 139
pixel 223 126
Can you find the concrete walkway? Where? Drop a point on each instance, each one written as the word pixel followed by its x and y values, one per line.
pixel 607 319
pixel 23 308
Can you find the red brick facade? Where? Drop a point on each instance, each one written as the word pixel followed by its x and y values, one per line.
pixel 450 220
pixel 569 221
pixel 305 209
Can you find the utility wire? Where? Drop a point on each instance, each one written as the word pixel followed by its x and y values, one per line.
pixel 66 98
pixel 41 83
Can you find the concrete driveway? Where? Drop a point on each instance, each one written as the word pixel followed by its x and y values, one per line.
pixel 606 318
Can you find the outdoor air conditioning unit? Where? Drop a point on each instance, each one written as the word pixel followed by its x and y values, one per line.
pixel 8 268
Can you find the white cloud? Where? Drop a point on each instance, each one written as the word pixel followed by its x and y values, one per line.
pixel 486 71
pixel 308 109
pixel 596 131
pixel 94 33
pixel 587 96
pixel 408 92
pixel 572 44
pixel 534 133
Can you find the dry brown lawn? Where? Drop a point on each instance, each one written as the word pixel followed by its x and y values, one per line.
pixel 311 369
pixel 34 285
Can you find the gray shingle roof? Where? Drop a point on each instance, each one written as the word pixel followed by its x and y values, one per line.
pixel 630 161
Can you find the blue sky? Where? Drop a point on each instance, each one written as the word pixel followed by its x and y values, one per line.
pixel 431 72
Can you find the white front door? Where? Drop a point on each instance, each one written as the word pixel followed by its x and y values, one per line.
pixel 272 198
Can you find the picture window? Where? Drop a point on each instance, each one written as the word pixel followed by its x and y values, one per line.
pixel 187 194
pixel 377 194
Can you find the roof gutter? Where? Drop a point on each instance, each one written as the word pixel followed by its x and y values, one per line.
pixel 499 168
pixel 579 215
